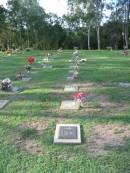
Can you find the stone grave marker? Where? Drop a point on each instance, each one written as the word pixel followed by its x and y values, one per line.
pixel 74 67
pixel 3 103
pixel 67 134
pixel 125 85
pixel 70 78
pixel 69 105
pixel 71 71
pixel 71 88
pixel 16 89
pixel 47 66
pixel 34 72
pixel 26 79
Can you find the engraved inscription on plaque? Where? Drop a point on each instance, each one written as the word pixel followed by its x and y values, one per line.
pixel 68 132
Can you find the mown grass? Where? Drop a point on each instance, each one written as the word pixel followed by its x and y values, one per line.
pixel 41 101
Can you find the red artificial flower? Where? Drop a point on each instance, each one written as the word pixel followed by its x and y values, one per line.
pixel 31 60
pixel 80 96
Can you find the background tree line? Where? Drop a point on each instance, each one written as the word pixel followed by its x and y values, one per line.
pixel 25 24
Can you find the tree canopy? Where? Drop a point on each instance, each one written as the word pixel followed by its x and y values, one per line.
pixel 25 24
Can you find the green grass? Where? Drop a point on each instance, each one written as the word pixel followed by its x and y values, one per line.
pixel 41 101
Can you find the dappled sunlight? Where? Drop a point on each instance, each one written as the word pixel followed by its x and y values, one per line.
pixel 28 123
pixel 44 90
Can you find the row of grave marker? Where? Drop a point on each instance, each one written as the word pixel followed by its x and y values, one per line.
pixel 69 133
pixel 24 78
pixel 64 133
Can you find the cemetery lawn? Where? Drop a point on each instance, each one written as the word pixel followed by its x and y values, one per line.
pixel 27 123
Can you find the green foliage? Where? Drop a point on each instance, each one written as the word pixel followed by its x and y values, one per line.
pixel 25 24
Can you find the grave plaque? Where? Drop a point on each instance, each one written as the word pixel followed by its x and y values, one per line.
pixel 3 103
pixel 69 105
pixel 47 66
pixel 34 72
pixel 67 133
pixel 70 88
pixel 70 78
pixel 16 89
pixel 26 79
pixel 125 85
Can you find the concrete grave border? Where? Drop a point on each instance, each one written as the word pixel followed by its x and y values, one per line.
pixel 70 88
pixel 57 140
pixel 3 104
pixel 26 79
pixel 73 107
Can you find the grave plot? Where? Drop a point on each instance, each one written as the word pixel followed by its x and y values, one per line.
pixel 70 78
pixel 26 135
pixel 69 105
pixel 16 89
pixel 103 138
pixel 33 72
pixel 108 104
pixel 26 79
pixel 3 103
pixel 70 88
pixel 75 67
pixel 31 146
pixel 71 71
pixel 124 85
pixel 47 66
pixel 73 77
pixel 67 134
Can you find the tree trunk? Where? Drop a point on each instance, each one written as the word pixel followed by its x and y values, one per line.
pixel 98 36
pixel 127 8
pixel 126 35
pixel 89 38
pixel 28 41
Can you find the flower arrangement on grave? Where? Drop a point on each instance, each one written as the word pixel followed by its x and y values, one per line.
pixel 60 50
pixel 6 84
pixel 83 60
pixel 31 60
pixel 125 52
pixel 75 76
pixel 81 98
pixel 28 68
pixel 49 56
pixel 19 76
pixel 76 67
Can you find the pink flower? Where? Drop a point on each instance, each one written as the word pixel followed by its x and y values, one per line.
pixel 80 96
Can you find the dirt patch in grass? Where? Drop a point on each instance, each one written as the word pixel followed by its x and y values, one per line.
pixel 108 104
pixel 26 136
pixel 37 125
pixel 100 101
pixel 31 146
pixel 104 138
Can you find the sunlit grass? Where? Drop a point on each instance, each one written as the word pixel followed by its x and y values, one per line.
pixel 40 101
